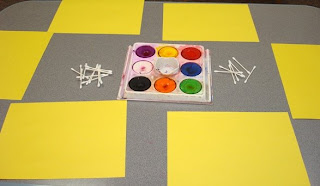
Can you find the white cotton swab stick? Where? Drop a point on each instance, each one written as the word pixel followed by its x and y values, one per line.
pixel 239 73
pixel 94 71
pixel 232 74
pixel 101 70
pixel 233 66
pixel 84 71
pixel 229 70
pixel 98 66
pixel 223 68
pixel 93 79
pixel 81 76
pixel 75 71
pixel 235 74
pixel 93 76
pixel 87 77
pixel 240 65
pixel 99 76
pixel 254 67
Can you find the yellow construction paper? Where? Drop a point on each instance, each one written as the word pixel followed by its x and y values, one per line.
pixel 20 53
pixel 208 22
pixel 64 140
pixel 98 17
pixel 233 148
pixel 299 70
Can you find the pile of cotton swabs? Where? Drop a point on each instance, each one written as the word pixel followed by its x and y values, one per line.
pixel 96 73
pixel 235 72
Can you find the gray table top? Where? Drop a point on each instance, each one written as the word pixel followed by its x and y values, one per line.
pixel 146 158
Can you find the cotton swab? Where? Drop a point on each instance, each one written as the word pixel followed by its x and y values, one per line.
pixel 223 68
pixel 230 66
pixel 224 71
pixel 254 67
pixel 99 76
pixel 238 73
pixel 93 79
pixel 81 76
pixel 234 66
pixel 84 71
pixel 94 71
pixel 87 77
pixel 229 70
pixel 75 71
pixel 101 70
pixel 235 72
pixel 240 65
pixel 93 76
pixel 232 74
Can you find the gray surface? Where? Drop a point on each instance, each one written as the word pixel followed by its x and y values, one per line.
pixel 28 16
pixel 4 105
pixel 287 23
pixel 146 161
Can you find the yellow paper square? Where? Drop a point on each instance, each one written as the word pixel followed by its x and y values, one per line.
pixel 98 17
pixel 233 148
pixel 299 66
pixel 20 53
pixel 208 22
pixel 64 140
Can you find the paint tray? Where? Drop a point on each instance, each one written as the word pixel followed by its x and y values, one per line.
pixel 167 73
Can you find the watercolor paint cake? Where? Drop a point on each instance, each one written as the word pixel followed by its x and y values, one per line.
pixel 167 73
